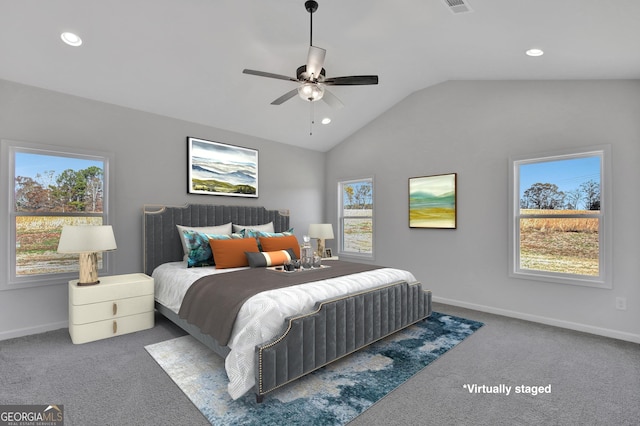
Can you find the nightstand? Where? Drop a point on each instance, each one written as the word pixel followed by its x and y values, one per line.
pixel 119 304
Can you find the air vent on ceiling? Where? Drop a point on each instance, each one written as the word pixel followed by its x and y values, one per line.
pixel 458 6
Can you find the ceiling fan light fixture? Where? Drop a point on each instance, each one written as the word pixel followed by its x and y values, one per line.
pixel 311 91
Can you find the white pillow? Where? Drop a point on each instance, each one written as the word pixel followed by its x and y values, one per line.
pixel 218 230
pixel 267 227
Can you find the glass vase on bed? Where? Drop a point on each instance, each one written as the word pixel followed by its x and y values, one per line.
pixel 306 253
pixel 317 260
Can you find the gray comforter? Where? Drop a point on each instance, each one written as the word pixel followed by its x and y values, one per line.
pixel 212 302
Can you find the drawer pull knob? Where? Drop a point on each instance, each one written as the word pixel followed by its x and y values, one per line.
pixel 115 308
pixel 115 327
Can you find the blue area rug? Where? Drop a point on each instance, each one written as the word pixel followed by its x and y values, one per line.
pixel 333 395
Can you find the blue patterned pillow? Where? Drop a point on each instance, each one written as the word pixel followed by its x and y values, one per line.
pixel 256 233
pixel 275 234
pixel 218 230
pixel 198 249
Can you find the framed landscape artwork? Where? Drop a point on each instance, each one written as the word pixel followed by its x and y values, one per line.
pixel 220 169
pixel 432 201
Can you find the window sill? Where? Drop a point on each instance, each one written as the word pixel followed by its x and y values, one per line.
pixel 557 279
pixel 355 256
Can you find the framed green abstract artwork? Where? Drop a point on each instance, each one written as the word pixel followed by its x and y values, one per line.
pixel 432 201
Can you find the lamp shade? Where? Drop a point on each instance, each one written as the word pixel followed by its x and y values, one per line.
pixel 86 239
pixel 321 230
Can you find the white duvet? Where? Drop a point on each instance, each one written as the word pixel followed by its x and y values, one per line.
pixel 261 318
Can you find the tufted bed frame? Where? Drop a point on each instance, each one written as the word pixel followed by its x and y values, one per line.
pixel 336 328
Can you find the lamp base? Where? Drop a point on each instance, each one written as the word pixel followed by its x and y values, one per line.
pixel 88 269
pixel 86 284
pixel 321 247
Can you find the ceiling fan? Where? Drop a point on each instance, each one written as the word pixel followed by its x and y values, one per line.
pixel 312 77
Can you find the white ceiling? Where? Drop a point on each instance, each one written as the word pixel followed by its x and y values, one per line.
pixel 184 58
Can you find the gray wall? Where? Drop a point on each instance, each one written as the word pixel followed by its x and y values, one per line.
pixel 150 167
pixel 471 128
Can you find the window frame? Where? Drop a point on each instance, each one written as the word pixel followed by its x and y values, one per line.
pixel 8 215
pixel 342 217
pixel 605 258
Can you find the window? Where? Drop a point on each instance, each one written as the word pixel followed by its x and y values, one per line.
pixel 356 217
pixel 49 187
pixel 560 227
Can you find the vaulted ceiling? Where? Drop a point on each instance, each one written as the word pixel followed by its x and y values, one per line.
pixel 184 58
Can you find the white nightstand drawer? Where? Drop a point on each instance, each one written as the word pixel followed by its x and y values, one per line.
pixel 111 288
pixel 109 328
pixel 82 314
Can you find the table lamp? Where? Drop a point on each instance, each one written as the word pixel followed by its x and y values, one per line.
pixel 322 232
pixel 87 241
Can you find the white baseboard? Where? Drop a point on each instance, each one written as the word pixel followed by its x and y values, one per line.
pixel 614 334
pixel 5 335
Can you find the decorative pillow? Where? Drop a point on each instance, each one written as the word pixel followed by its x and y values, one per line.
pixel 198 248
pixel 254 233
pixel 225 229
pixel 267 227
pixel 280 243
pixel 270 258
pixel 274 234
pixel 231 253
pixel 198 251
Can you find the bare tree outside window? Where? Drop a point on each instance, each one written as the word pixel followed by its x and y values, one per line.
pixel 558 222
pixel 356 219
pixel 51 191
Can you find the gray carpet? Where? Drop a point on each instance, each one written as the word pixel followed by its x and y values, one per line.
pixel 595 380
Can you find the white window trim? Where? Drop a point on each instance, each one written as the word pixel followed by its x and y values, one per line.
pixel 8 148
pixel 604 280
pixel 350 254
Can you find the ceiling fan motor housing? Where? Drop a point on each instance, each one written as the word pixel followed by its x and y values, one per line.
pixel 301 74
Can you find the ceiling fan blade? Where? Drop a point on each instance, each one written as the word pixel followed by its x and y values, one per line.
pixel 331 100
pixel 285 97
pixel 315 61
pixel 269 75
pixel 353 80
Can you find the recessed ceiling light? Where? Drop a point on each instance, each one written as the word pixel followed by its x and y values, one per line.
pixel 534 52
pixel 71 39
pixel 326 120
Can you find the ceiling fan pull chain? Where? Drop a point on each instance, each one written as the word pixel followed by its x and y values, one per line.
pixel 311 119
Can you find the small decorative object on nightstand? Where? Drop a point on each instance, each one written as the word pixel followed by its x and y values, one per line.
pixel 120 304
pixel 328 255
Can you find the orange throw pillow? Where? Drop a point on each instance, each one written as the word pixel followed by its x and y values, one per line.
pixel 231 253
pixel 279 243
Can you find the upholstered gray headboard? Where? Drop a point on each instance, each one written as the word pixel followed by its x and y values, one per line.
pixel 161 240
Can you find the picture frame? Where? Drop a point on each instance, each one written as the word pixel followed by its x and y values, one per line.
pixel 433 201
pixel 328 253
pixel 216 168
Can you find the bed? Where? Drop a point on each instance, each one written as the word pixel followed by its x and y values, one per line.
pixel 282 334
